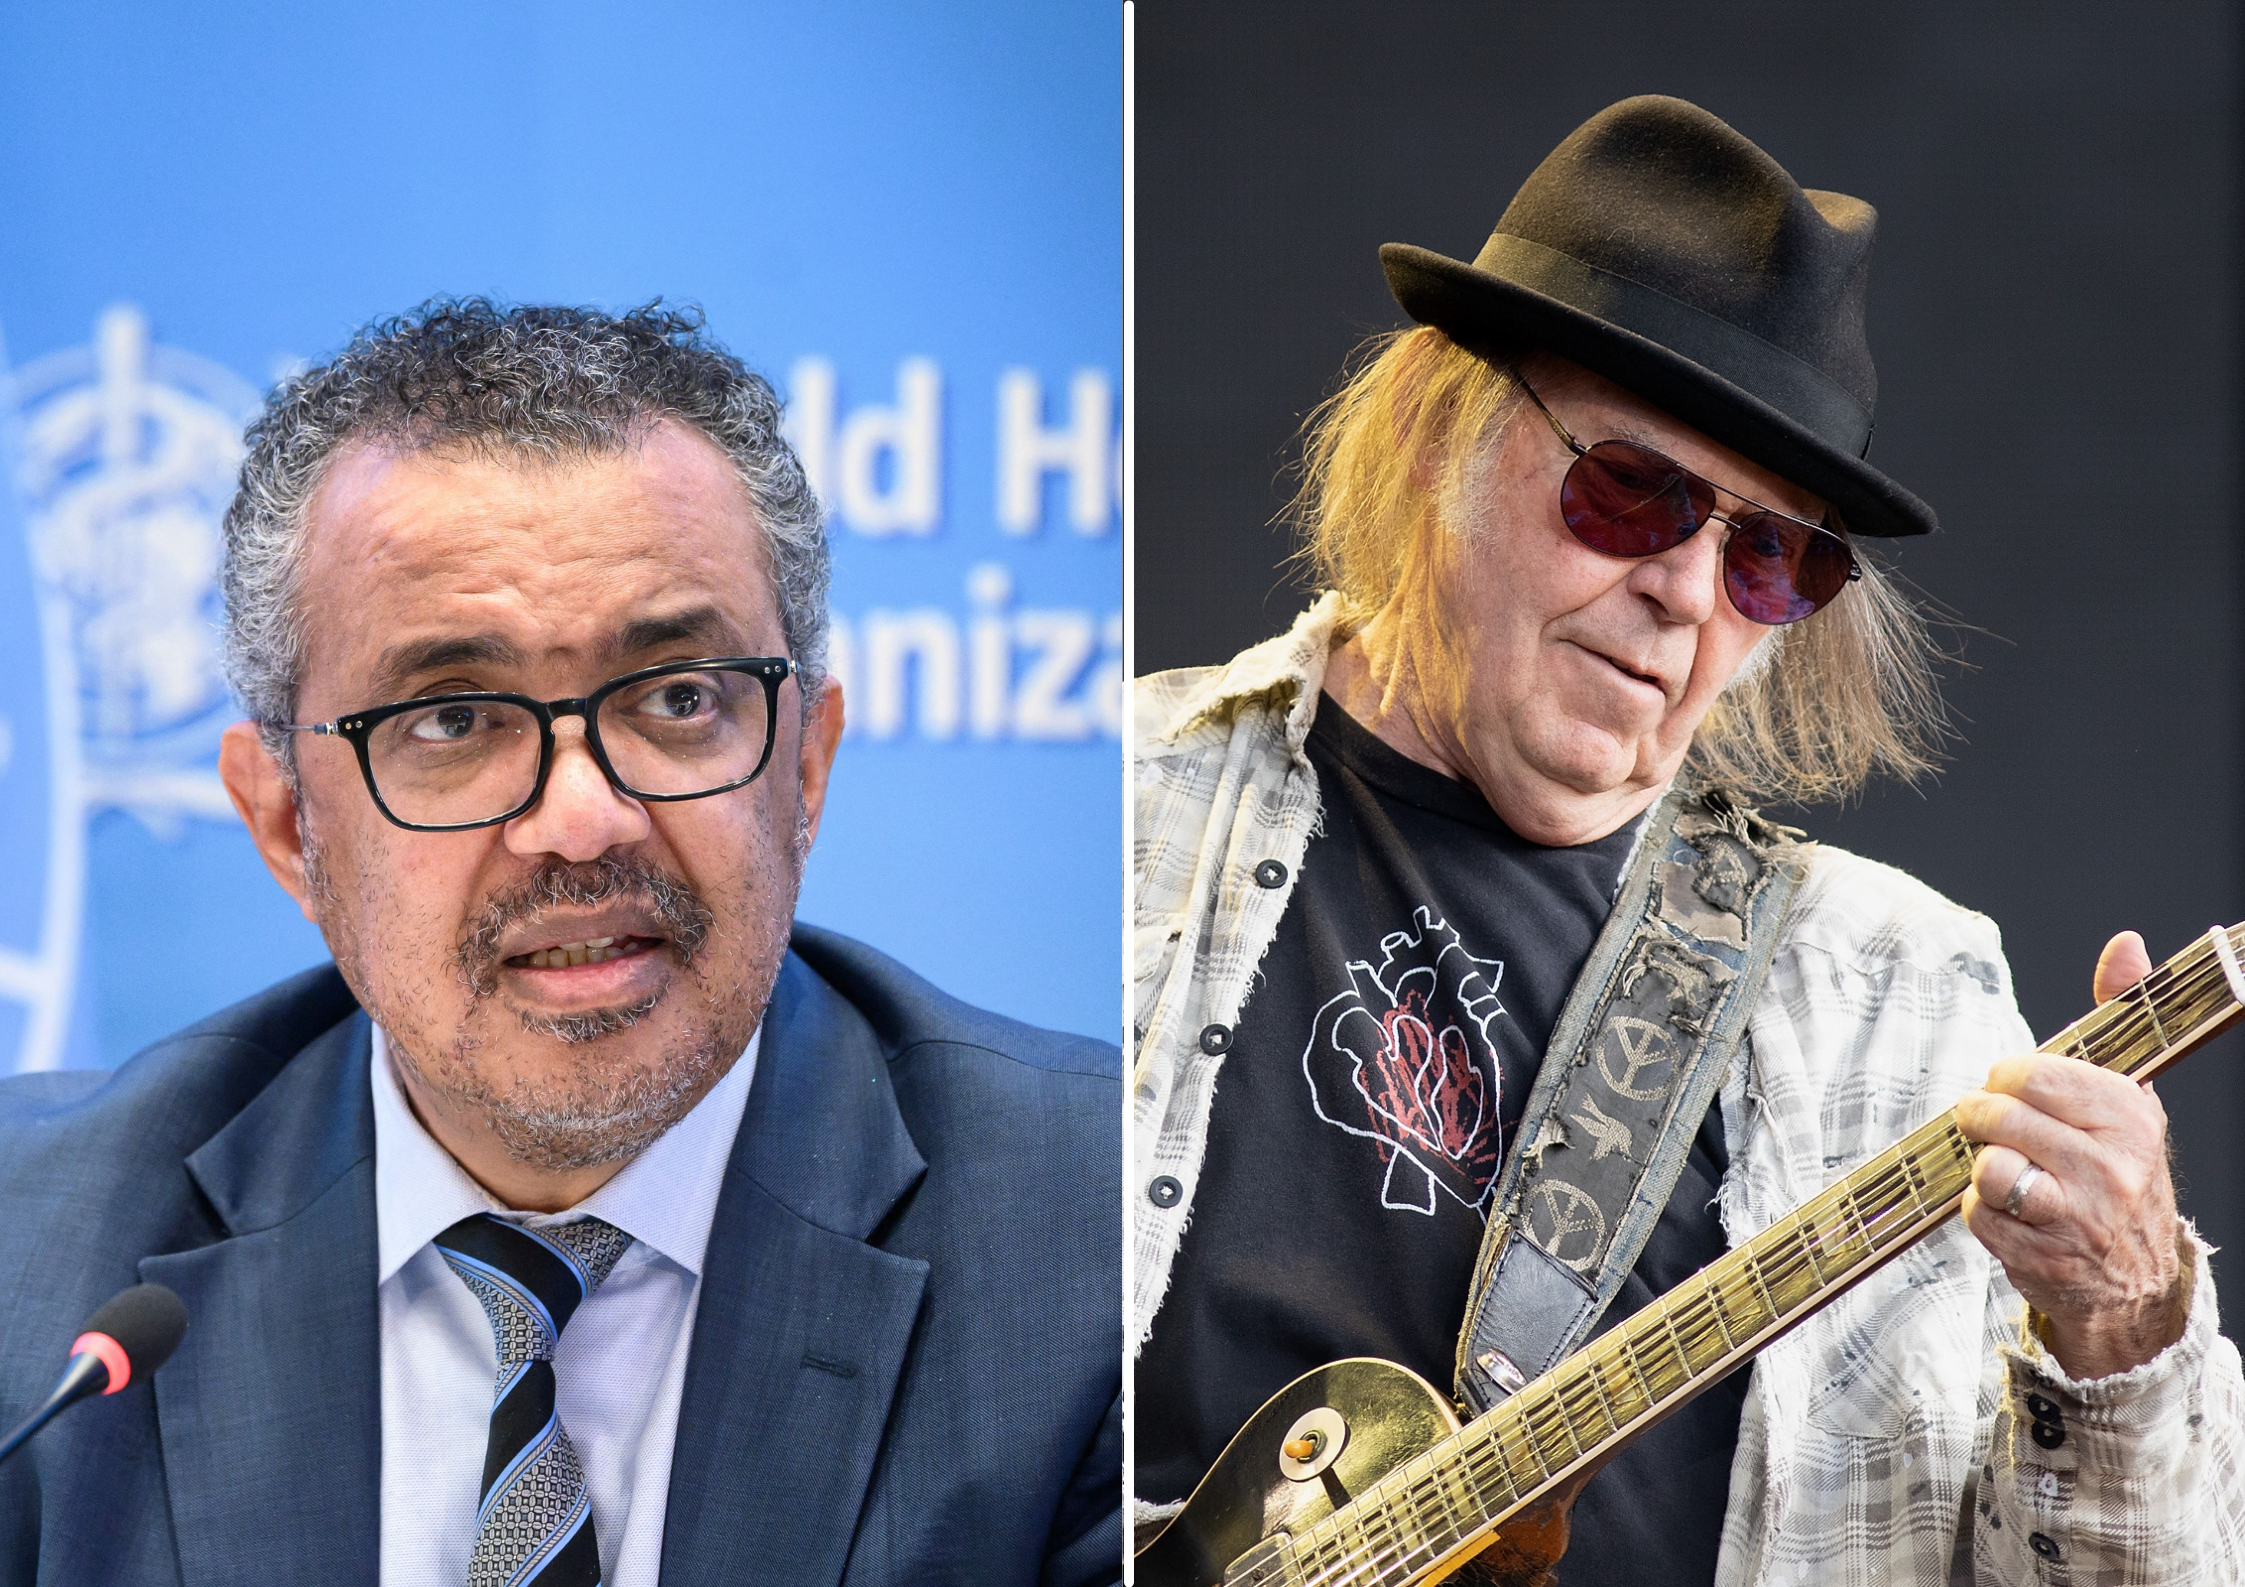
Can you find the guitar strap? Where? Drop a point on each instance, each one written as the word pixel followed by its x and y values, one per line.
pixel 1633 1066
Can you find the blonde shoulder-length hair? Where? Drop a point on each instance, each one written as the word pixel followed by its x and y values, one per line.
pixel 1840 697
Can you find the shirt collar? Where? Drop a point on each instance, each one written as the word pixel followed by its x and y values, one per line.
pixel 666 1197
pixel 1290 667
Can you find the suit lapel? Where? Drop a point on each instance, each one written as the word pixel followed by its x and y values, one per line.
pixel 803 1326
pixel 271 1411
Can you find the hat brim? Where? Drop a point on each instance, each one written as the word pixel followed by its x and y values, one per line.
pixel 1479 307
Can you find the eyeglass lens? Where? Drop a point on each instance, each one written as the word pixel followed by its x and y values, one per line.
pixel 1629 501
pixel 453 762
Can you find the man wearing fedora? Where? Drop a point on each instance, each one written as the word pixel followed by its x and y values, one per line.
pixel 1487 791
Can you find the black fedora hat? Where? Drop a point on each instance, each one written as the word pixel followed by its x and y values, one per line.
pixel 1662 250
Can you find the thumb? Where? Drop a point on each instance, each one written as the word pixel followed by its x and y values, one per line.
pixel 2124 962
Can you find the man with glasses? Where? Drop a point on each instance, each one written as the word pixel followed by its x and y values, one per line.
pixel 587 1221
pixel 1589 534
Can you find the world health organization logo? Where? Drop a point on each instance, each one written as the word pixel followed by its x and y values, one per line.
pixel 124 455
pixel 129 453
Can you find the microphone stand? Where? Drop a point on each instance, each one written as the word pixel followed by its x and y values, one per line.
pixel 87 1374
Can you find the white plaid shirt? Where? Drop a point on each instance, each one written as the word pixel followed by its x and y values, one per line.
pixel 1887 1440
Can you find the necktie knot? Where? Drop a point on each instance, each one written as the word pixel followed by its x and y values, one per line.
pixel 530 1281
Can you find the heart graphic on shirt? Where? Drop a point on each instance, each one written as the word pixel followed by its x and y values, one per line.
pixel 1405 1059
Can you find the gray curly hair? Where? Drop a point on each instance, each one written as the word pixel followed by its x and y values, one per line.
pixel 535 381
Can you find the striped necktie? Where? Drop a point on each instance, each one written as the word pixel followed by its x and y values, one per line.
pixel 534 1524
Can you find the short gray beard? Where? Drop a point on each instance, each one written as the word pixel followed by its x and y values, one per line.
pixel 589 1119
pixel 588 1027
pixel 583 1123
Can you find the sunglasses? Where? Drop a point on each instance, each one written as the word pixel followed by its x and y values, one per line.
pixel 1627 500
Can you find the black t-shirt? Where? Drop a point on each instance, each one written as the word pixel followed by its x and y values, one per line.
pixel 1374 1081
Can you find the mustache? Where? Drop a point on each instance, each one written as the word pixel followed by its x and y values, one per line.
pixel 676 907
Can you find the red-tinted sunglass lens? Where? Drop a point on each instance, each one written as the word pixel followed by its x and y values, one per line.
pixel 1628 501
pixel 1778 569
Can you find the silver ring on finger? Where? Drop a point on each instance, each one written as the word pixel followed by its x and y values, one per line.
pixel 2020 1186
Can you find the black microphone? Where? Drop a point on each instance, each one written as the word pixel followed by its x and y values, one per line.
pixel 133 1334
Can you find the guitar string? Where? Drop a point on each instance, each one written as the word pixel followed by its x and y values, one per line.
pixel 2129 1025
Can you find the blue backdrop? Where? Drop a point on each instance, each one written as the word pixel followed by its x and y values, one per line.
pixel 907 215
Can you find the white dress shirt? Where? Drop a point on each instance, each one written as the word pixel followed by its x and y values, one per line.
pixel 618 1371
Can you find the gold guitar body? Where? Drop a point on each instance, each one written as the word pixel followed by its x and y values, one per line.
pixel 1231 1529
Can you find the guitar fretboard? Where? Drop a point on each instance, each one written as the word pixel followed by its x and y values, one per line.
pixel 1446 1501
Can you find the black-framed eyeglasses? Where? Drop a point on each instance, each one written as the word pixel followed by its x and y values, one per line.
pixel 452 762
pixel 1627 500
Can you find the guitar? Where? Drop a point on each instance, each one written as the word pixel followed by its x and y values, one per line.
pixel 1359 1472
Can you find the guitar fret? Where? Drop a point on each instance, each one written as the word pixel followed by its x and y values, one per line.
pixel 1884 1187
pixel 1688 1319
pixel 1739 1303
pixel 1630 1353
pixel 1594 1406
pixel 2161 999
pixel 1348 1549
pixel 1345 1552
pixel 1530 1445
pixel 1499 1423
pixel 1624 1401
pixel 1462 1498
pixel 2144 1013
pixel 1791 1272
pixel 1336 1551
pixel 1412 1534
pixel 1351 1552
pixel 1961 1151
pixel 1488 1456
pixel 1410 1520
pixel 1809 1243
pixel 1555 1404
pixel 1835 1232
pixel 1377 1549
pixel 1753 1269
pixel 1487 1492
pixel 1854 1218
pixel 1683 1354
pixel 1438 1518
pixel 1721 1322
pixel 1715 1340
pixel 1913 1170
pixel 2176 993
pixel 1526 1450
pixel 1462 1506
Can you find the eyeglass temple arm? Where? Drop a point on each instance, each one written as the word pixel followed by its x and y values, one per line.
pixel 1549 417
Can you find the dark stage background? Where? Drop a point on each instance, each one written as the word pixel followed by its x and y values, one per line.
pixel 2054 313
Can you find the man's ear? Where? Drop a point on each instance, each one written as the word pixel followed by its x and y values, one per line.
pixel 266 801
pixel 822 736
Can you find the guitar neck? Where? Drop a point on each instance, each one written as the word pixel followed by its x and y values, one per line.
pixel 1443 1504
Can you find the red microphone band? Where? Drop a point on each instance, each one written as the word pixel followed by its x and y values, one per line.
pixel 112 1356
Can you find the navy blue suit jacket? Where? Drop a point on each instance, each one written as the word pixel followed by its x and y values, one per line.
pixel 906 1367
